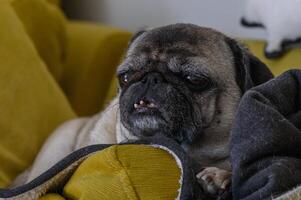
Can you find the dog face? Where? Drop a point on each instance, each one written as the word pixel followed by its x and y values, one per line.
pixel 180 81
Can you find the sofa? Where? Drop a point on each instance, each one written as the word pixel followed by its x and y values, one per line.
pixel 53 69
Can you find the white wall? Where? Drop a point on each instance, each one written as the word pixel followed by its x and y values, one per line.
pixel 223 15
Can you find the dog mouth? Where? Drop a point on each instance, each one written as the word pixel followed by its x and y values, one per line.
pixel 146 117
pixel 146 114
pixel 145 106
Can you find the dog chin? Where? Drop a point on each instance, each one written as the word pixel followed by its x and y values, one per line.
pixel 147 125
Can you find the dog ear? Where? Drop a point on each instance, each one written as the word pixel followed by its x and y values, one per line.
pixel 137 34
pixel 250 71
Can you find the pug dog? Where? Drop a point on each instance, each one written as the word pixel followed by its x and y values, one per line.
pixel 181 81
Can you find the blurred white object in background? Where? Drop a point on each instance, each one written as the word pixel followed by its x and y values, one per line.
pixel 281 20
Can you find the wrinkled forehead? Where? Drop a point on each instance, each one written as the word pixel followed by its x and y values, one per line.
pixel 188 38
pixel 174 46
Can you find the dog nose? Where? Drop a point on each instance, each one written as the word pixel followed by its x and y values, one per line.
pixel 153 78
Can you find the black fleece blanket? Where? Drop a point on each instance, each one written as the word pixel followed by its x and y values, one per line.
pixel 266 139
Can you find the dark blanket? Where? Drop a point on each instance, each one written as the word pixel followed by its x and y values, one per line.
pixel 266 139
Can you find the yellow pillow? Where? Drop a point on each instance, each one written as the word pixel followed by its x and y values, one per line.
pixel 93 52
pixel 46 26
pixel 31 102
pixel 126 172
pixel 129 171
pixel 52 196
pixel 55 2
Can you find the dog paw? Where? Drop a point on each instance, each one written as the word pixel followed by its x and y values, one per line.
pixel 214 180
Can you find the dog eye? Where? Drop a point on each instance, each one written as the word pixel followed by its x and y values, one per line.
pixel 123 79
pixel 198 82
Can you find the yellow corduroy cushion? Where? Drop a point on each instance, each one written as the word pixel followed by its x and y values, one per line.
pixel 93 53
pixel 46 26
pixel 126 172
pixel 52 196
pixel 55 2
pixel 31 102
pixel 291 60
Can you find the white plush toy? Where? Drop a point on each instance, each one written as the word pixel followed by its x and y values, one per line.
pixel 280 18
